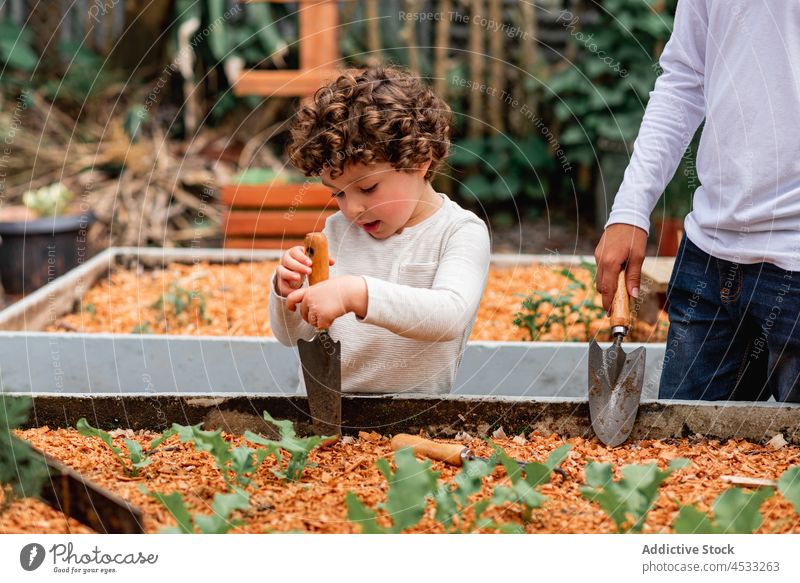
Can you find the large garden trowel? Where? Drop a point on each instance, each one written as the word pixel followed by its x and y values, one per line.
pixel 615 378
pixel 321 357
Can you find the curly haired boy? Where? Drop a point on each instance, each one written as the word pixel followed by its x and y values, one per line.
pixel 411 264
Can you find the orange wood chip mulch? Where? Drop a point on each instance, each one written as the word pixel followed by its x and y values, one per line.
pixel 316 503
pixel 232 300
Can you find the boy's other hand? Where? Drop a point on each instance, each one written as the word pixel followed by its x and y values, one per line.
pixel 621 246
pixel 294 267
pixel 322 303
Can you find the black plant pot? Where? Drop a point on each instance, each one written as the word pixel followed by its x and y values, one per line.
pixel 33 253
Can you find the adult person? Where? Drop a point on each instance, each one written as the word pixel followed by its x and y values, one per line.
pixel 733 295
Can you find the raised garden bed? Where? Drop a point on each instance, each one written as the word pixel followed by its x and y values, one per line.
pixel 722 440
pixel 135 320
pixel 230 299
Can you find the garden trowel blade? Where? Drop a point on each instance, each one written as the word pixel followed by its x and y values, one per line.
pixel 321 359
pixel 615 388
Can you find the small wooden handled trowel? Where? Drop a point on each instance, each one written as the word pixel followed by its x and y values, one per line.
pixel 321 357
pixel 615 378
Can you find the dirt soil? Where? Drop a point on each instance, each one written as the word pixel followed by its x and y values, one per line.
pixel 232 300
pixel 316 503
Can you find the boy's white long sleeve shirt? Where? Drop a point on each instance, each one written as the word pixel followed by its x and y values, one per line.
pixel 424 286
pixel 735 63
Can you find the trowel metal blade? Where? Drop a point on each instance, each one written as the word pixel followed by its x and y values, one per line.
pixel 321 359
pixel 615 389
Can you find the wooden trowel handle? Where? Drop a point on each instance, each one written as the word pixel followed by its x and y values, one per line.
pixel 449 453
pixel 316 245
pixel 620 314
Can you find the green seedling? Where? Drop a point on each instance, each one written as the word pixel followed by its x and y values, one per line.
pixel 22 471
pixel 453 500
pixel 562 307
pixel 789 486
pixel 242 461
pixel 137 458
pixel 218 522
pixel 298 448
pixel 629 500
pixel 410 486
pixel 178 299
pixel 733 512
pixel 524 481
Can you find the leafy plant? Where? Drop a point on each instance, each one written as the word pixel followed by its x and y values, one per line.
pixel 453 500
pixel 48 201
pixel 524 481
pixel 22 471
pixel 733 512
pixel 499 168
pixel 628 500
pixel 16 48
pixel 240 461
pixel 218 522
pixel 541 310
pixel 178 299
pixel 603 91
pixel 410 486
pixel 136 457
pixel 789 486
pixel 298 448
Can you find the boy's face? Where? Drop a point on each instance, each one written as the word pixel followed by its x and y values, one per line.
pixel 378 198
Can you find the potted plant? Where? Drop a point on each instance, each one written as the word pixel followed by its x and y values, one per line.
pixel 41 239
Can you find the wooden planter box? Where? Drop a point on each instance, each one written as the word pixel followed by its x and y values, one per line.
pixel 276 215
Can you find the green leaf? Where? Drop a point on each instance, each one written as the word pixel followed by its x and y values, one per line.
pixel 691 521
pixel 737 511
pixel 452 501
pixel 219 522
pixel 87 430
pixel 629 499
pixel 161 439
pixel 17 54
pixel 789 486
pixel 297 448
pixel 211 442
pixel 217 37
pixel 177 508
pixel 359 514
pixel 410 486
pixel 266 29
pixel 137 456
pixel 733 512
pixel 598 475
pixel 22 471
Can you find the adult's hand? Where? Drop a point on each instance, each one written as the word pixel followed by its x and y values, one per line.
pixel 621 246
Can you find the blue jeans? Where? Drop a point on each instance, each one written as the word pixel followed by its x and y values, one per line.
pixel 734 331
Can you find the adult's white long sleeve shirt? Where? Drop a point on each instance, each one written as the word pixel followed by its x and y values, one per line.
pixel 735 63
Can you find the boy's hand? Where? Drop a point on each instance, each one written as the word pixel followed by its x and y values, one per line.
pixel 293 269
pixel 620 246
pixel 322 303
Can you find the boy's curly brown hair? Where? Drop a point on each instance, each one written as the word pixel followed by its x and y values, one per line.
pixel 379 114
